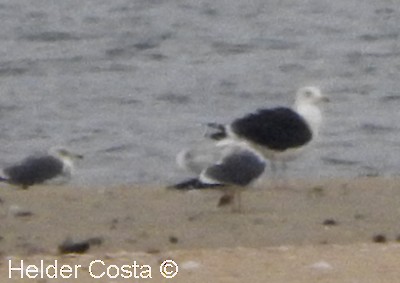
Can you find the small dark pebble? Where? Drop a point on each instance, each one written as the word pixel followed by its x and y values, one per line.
pixel 69 247
pixel 359 216
pixel 114 223
pixel 379 238
pixel 317 191
pixel 330 222
pixel 23 214
pixel 225 200
pixel 131 241
pixel 192 218
pixel 153 251
pixel 173 239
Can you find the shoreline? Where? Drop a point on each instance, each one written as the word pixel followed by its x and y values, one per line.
pixel 312 217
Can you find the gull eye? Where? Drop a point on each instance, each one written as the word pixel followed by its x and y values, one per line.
pixel 308 93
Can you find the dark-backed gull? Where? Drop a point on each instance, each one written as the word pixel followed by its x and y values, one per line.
pixel 225 167
pixel 39 169
pixel 281 133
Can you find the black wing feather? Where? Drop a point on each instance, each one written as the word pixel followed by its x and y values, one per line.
pixel 278 129
pixel 194 183
pixel 34 170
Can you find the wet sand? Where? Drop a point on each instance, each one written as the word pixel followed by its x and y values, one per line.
pixel 337 230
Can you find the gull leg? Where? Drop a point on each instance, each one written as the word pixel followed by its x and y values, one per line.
pixel 279 174
pixel 232 197
pixel 237 205
pixel 278 169
pixel 274 171
pixel 273 168
pixel 285 181
pixel 227 198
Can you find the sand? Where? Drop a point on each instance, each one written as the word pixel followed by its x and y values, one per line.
pixel 339 230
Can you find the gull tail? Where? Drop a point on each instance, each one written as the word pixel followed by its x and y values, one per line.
pixel 193 184
pixel 216 131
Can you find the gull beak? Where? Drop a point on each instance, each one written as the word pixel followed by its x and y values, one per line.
pixel 78 156
pixel 73 155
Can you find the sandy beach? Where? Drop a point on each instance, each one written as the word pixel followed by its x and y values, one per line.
pixel 338 230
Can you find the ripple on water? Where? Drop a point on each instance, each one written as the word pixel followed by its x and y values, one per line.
pixel 391 98
pixel 15 68
pixel 374 129
pixel 50 36
pixel 339 161
pixel 174 98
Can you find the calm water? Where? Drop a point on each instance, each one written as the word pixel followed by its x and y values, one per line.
pixel 128 83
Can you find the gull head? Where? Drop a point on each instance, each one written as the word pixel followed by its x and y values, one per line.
pixel 310 95
pixel 64 154
pixel 308 102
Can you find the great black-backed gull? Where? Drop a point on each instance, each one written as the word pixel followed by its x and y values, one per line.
pixel 224 166
pixel 281 133
pixel 39 169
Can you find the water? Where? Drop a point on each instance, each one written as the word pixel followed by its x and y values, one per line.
pixel 128 83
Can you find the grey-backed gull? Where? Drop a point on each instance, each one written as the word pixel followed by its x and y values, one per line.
pixel 39 169
pixel 225 166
